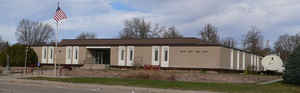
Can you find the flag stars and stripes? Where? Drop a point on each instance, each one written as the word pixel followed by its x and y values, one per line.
pixel 59 15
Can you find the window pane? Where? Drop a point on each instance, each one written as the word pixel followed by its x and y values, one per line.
pixel 131 55
pixel 156 55
pixel 51 53
pixel 76 53
pixel 166 55
pixel 45 53
pixel 122 54
pixel 69 56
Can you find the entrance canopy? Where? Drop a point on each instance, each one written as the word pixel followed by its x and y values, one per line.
pixel 100 55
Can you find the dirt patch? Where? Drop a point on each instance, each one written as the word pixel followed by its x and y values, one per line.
pixel 192 76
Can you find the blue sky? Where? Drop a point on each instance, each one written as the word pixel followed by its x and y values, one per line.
pixel 105 17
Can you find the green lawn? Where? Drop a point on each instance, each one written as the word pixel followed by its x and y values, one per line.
pixel 219 87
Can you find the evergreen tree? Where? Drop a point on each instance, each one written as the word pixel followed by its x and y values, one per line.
pixel 292 68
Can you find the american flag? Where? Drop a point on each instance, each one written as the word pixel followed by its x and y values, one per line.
pixel 59 15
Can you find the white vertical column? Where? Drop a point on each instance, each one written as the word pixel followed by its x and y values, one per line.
pixel 44 54
pixel 121 61
pixel 238 60
pixel 231 59
pixel 258 63
pixel 75 55
pixel 251 60
pixel 130 55
pixel 255 61
pixel 244 60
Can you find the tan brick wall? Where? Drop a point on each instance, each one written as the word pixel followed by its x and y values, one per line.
pixel 179 56
pixel 114 55
pixel 143 54
pixel 61 55
pixel 38 51
pixel 195 57
pixel 225 58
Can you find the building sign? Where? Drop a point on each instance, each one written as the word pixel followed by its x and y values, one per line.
pixel 193 51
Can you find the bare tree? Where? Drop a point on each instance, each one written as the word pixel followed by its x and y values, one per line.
pixel 253 41
pixel 172 33
pixel 286 44
pixel 86 35
pixel 209 33
pixel 136 28
pixel 157 31
pixel 229 42
pixel 31 32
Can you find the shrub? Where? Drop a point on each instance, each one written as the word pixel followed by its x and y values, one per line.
pixel 292 68
pixel 17 56
pixel 249 70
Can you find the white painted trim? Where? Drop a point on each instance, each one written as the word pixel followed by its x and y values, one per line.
pixel 231 59
pixel 164 61
pixel 50 55
pixel 155 62
pixel 257 64
pixel 254 62
pixel 99 47
pixel 251 62
pixel 130 62
pixel 121 62
pixel 244 61
pixel 238 60
pixel 75 49
pixel 69 55
pixel 44 54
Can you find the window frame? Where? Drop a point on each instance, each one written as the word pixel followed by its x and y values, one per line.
pixel 121 56
pixel 76 55
pixel 44 54
pixel 155 59
pixel 165 56
pixel 130 55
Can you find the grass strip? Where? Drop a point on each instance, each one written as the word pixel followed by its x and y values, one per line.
pixel 218 87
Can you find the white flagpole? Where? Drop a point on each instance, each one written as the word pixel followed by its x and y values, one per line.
pixel 56 49
pixel 56 41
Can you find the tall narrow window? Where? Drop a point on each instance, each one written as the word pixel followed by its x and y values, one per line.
pixel 122 54
pixel 51 53
pixel 45 53
pixel 70 52
pixel 68 55
pixel 131 55
pixel 76 54
pixel 166 55
pixel 156 55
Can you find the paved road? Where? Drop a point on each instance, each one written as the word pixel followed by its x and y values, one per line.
pixel 21 88
pixel 8 85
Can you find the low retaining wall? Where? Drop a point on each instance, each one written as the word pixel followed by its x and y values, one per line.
pixel 94 66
